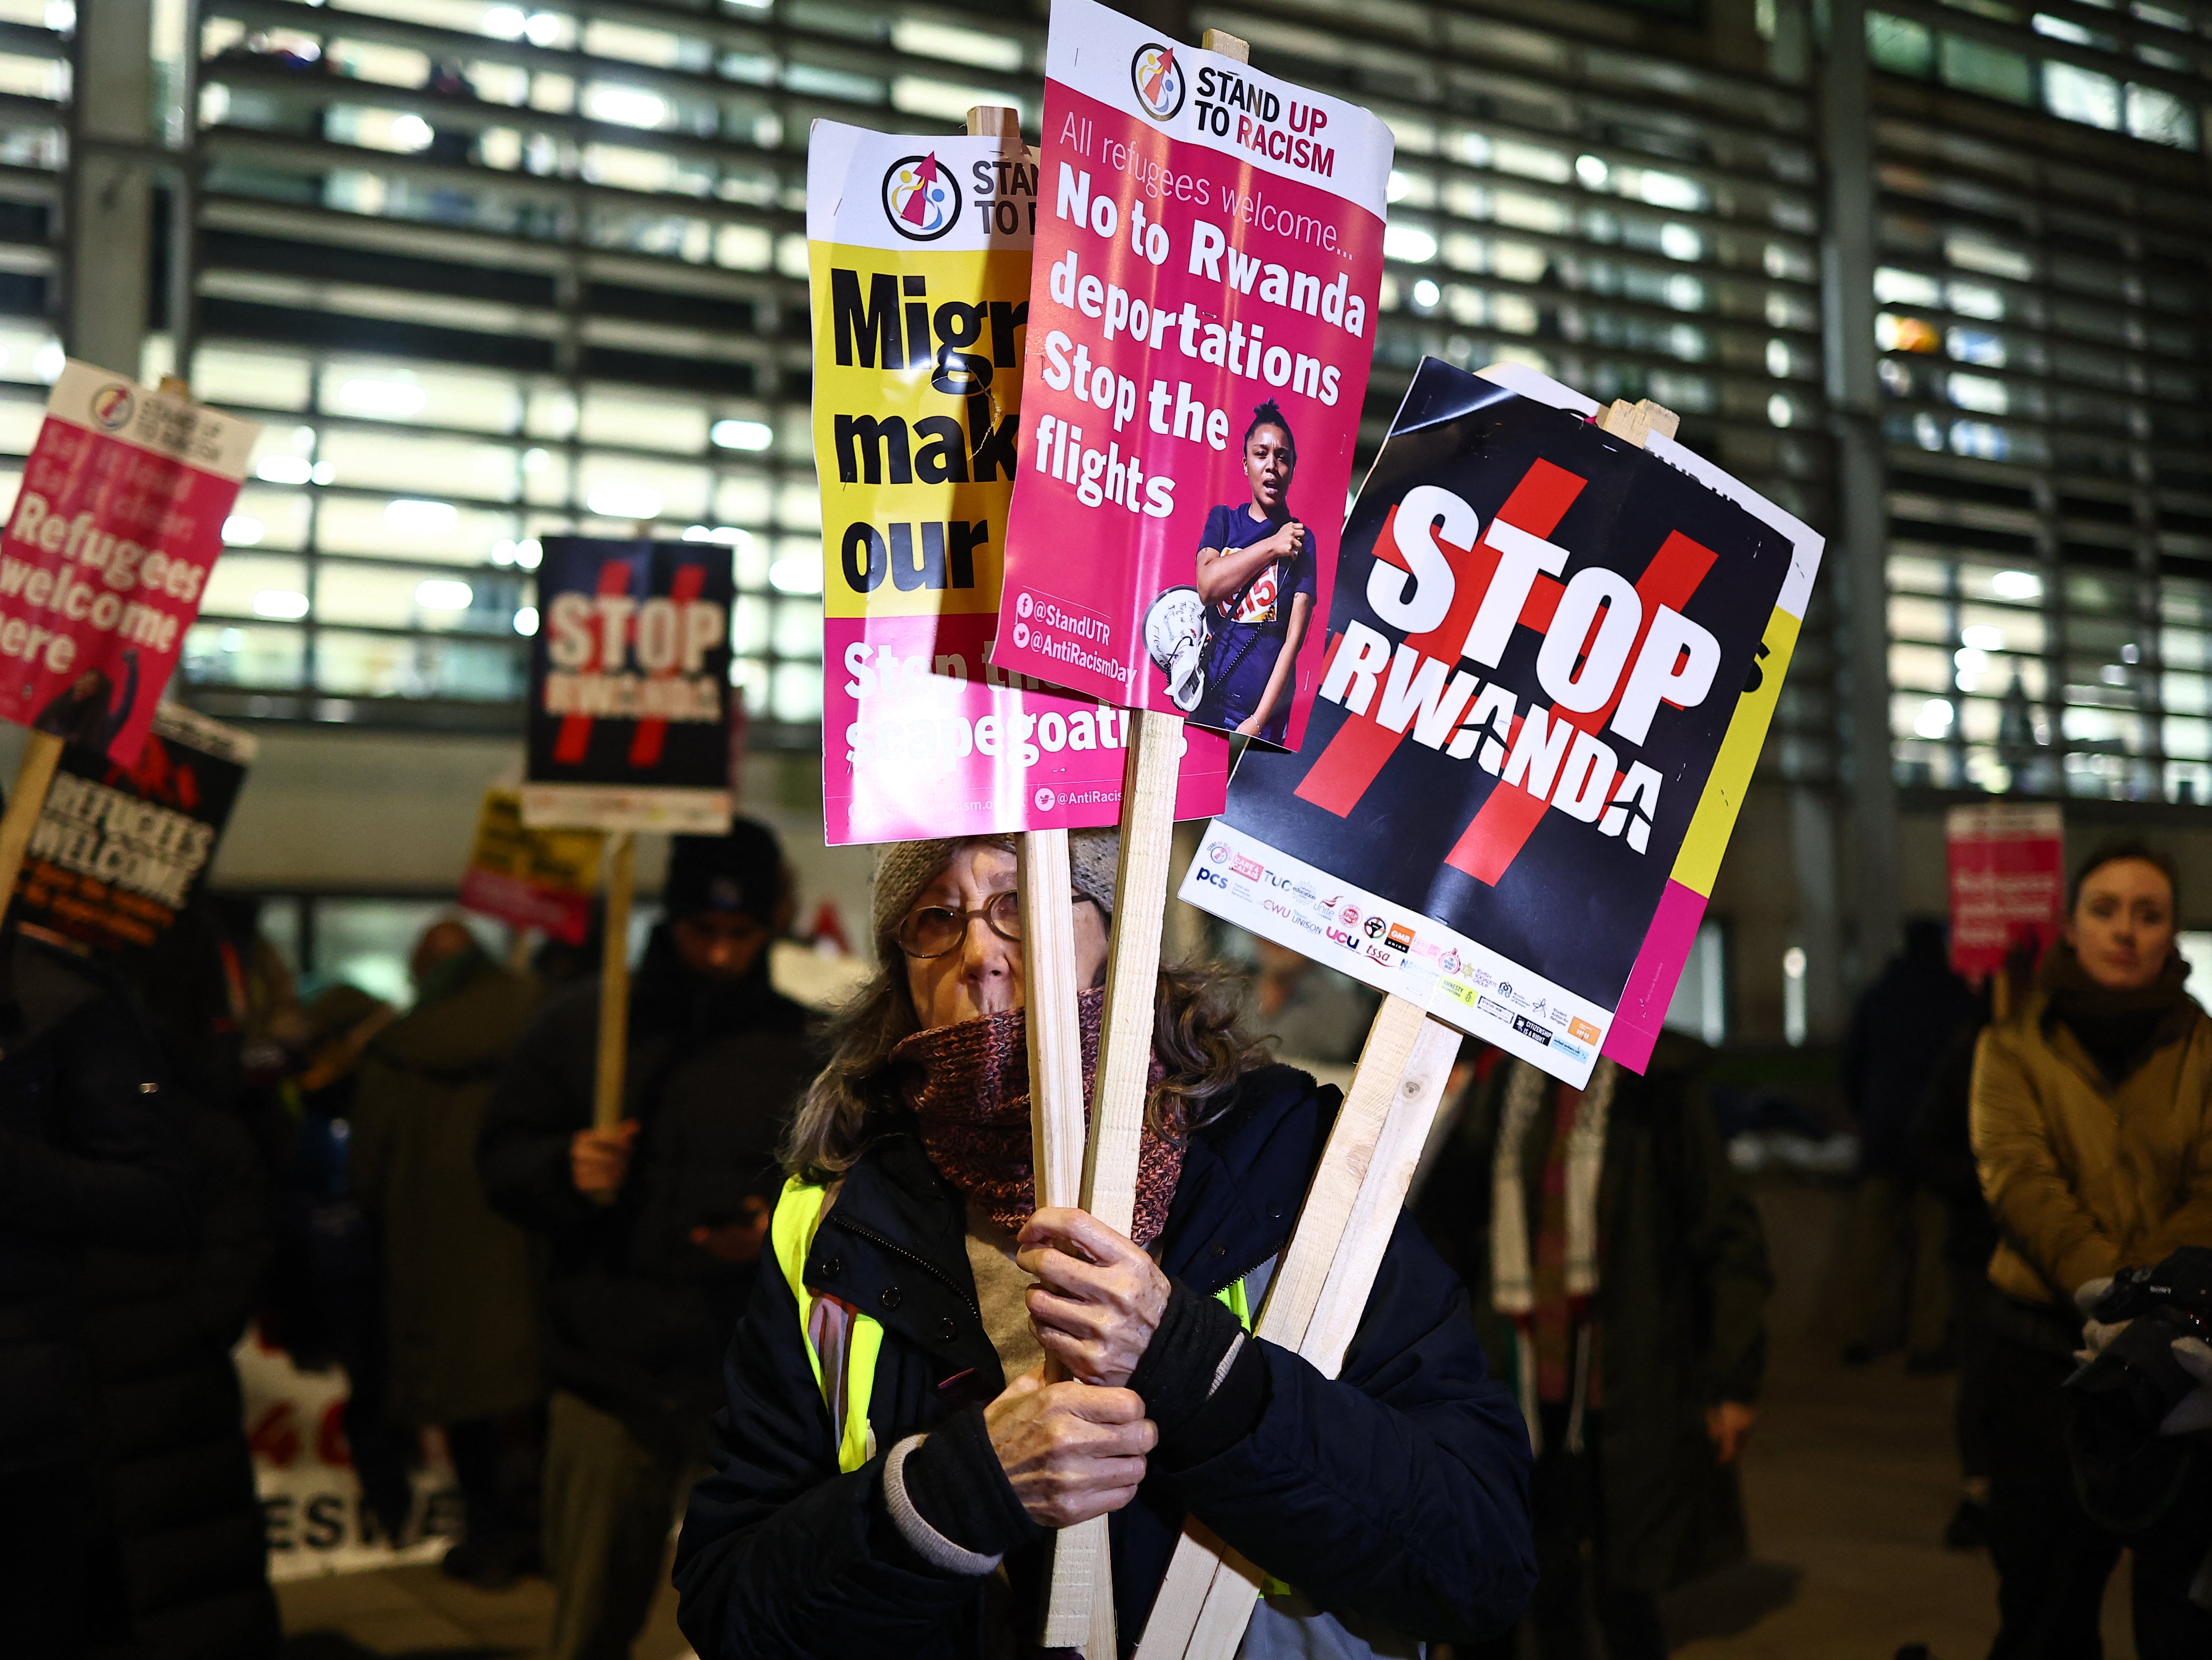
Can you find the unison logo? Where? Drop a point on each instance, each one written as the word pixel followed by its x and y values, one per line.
pixel 1158 80
pixel 920 198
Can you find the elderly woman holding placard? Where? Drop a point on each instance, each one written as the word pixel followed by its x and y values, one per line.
pixel 890 1461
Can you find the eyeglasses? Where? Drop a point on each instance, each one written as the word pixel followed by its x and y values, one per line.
pixel 934 930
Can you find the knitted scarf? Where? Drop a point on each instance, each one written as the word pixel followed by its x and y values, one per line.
pixel 968 1085
pixel 2119 1029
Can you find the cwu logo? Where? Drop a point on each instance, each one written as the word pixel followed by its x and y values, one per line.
pixel 920 198
pixel 1158 80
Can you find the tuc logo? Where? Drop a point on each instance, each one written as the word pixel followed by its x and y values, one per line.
pixel 1157 80
pixel 921 199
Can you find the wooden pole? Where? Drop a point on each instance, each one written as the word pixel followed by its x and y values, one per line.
pixel 1213 1586
pixel 25 802
pixel 1055 1032
pixel 614 986
pixel 1205 1602
pixel 1056 1131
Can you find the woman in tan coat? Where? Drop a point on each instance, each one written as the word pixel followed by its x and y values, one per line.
pixel 2092 1128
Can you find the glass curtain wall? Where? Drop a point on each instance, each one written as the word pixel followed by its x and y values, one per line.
pixel 2044 264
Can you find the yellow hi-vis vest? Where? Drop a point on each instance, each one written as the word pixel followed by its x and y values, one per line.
pixel 797 1214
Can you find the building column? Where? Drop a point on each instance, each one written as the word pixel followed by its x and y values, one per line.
pixel 1857 550
pixel 108 226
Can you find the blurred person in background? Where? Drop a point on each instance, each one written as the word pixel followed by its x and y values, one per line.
pixel 1898 1031
pixel 2092 1127
pixel 1313 1012
pixel 655 1227
pixel 1943 1159
pixel 1621 1276
pixel 161 1321
pixel 92 1153
pixel 459 1282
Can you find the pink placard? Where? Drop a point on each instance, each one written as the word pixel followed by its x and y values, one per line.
pixel 1209 254
pixel 105 555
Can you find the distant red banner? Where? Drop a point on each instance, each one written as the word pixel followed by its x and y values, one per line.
pixel 2007 883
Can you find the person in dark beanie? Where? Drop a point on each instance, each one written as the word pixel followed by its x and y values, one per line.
pixel 655 1227
pixel 92 1153
pixel 459 1282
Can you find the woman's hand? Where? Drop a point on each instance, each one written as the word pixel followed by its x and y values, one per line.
pixel 1250 728
pixel 1071 1451
pixel 1288 539
pixel 1101 1296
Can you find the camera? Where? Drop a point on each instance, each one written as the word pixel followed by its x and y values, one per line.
pixel 2127 1475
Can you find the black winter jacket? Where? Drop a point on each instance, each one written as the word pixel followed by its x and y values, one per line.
pixel 176 1470
pixel 90 1154
pixel 1398 1493
pixel 638 1315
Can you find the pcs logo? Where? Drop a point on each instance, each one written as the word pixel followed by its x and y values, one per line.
pixel 113 406
pixel 1158 80
pixel 921 199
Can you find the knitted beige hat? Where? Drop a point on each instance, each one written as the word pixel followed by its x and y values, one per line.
pixel 903 869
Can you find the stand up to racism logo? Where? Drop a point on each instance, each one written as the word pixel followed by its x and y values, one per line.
pixel 920 198
pixel 1158 80
pixel 111 406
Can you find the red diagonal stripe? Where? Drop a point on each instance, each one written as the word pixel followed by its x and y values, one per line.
pixel 645 744
pixel 1344 769
pixel 575 734
pixel 1508 816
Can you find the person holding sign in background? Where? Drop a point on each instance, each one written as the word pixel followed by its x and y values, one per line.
pixel 887 1442
pixel 1256 574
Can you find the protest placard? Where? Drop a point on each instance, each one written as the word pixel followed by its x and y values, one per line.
pixel 629 687
pixel 2008 874
pixel 117 851
pixel 107 553
pixel 919 249
pixel 538 879
pixel 1554 656
pixel 629 723
pixel 1209 251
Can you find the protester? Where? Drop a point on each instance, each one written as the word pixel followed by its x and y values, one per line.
pixel 1899 1031
pixel 91 1153
pixel 887 1442
pixel 1621 1273
pixel 2092 1125
pixel 1313 1012
pixel 655 1227
pixel 182 1528
pixel 459 1282
pixel 1943 1153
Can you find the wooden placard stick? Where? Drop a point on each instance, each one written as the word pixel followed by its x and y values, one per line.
pixel 1056 1128
pixel 34 776
pixel 1371 1219
pixel 614 987
pixel 1296 1289
pixel 1080 1612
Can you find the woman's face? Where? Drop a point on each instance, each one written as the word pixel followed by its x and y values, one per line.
pixel 982 975
pixel 2122 928
pixel 1268 464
